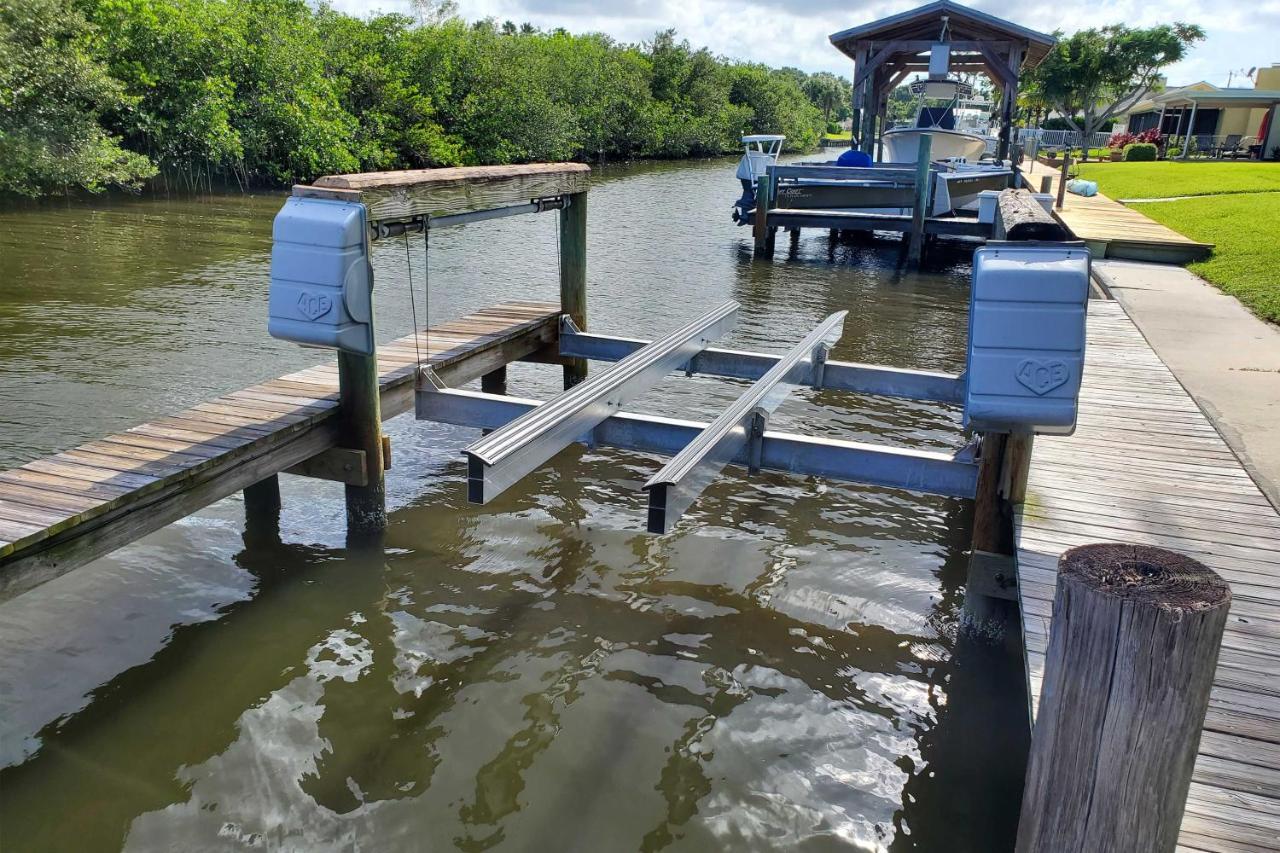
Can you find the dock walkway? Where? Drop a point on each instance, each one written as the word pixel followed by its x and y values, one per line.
pixel 62 511
pixel 1145 466
pixel 1114 230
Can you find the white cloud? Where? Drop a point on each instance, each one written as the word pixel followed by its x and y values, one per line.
pixel 794 32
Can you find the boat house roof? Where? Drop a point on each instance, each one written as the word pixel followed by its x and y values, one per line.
pixel 968 29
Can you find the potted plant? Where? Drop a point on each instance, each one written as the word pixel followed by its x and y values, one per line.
pixel 1117 154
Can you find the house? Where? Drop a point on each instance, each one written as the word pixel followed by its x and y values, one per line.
pixel 1204 110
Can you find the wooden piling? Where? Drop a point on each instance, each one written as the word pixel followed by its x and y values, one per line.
pixel 1062 179
pixel 360 428
pixel 1130 664
pixel 573 275
pixel 760 224
pixel 262 508
pixel 1046 184
pixel 990 527
pixel 924 195
pixel 1019 216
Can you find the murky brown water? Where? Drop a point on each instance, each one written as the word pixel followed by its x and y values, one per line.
pixel 785 672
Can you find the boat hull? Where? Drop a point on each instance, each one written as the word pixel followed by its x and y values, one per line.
pixel 902 145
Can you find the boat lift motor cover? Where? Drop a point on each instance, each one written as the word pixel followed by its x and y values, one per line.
pixel 321 282
pixel 1027 314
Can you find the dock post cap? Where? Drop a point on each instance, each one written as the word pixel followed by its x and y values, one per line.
pixel 1145 575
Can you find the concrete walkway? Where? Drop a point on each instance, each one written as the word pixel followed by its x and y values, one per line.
pixel 1225 357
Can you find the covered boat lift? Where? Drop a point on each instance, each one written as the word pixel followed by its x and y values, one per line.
pixel 935 39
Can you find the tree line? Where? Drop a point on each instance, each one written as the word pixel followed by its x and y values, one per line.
pixel 98 94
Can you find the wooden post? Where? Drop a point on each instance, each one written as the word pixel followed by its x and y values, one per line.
pixel 1020 217
pixel 495 381
pixel 760 226
pixel 1046 184
pixel 924 196
pixel 1016 467
pixel 573 275
pixel 990 531
pixel 1132 653
pixel 262 508
pixel 1062 179
pixel 360 428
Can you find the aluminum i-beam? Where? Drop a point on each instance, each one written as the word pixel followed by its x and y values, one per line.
pixel 499 460
pixel 951 475
pixel 742 364
pixel 681 480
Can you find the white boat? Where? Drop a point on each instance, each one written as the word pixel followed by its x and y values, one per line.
pixel 902 145
pixel 761 152
pixel 951 141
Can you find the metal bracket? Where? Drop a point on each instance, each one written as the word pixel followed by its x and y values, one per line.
pixel 819 365
pixel 755 443
pixel 427 376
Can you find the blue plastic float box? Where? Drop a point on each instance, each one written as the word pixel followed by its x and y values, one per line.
pixel 321 283
pixel 1026 338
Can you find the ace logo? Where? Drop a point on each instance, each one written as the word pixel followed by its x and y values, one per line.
pixel 1042 376
pixel 313 306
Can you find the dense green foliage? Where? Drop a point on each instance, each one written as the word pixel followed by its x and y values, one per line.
pixel 1136 152
pixel 53 93
pixel 107 92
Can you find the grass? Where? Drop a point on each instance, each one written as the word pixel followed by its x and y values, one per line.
pixel 1246 231
pixel 844 135
pixel 1171 178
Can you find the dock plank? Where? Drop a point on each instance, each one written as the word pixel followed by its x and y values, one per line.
pixel 1146 466
pixel 59 512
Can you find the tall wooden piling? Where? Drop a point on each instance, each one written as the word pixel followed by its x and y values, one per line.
pixel 573 275
pixel 924 196
pixel 760 223
pixel 990 527
pixel 262 507
pixel 1062 180
pixel 1130 664
pixel 360 428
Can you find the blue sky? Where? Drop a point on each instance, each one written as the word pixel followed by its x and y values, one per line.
pixel 794 32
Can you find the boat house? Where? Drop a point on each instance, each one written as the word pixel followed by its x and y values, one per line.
pixel 935 39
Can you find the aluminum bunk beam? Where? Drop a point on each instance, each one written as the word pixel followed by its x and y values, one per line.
pixel 500 459
pixel 856 462
pixel 739 427
pixel 743 364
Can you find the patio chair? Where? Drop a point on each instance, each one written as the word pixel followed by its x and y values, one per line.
pixel 1229 145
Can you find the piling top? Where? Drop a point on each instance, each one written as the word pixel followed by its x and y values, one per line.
pixel 447 176
pixel 1145 576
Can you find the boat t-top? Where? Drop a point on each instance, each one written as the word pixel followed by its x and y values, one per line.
pixel 761 152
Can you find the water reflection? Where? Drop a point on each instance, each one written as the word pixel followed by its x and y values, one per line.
pixel 784 672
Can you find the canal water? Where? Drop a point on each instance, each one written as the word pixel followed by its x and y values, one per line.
pixel 792 669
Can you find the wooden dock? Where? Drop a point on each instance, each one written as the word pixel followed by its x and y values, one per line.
pixel 61 512
pixel 1146 466
pixel 1113 230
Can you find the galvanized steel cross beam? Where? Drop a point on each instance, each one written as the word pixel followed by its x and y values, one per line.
pixel 744 364
pixel 681 480
pixel 951 475
pixel 503 457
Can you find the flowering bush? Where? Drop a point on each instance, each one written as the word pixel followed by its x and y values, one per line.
pixel 1119 140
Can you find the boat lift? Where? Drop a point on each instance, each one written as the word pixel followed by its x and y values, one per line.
pixel 1025 353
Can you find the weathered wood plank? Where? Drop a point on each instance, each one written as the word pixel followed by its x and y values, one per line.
pixel 60 512
pixel 437 192
pixel 1145 465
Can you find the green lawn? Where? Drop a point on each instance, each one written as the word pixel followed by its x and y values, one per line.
pixel 1246 231
pixel 1169 178
pixel 845 135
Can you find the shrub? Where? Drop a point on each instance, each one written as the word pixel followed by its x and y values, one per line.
pixel 1139 151
pixel 1120 140
pixel 834 128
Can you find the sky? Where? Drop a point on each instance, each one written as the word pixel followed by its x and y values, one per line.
pixel 794 32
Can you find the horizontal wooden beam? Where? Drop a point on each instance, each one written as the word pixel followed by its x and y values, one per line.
pixel 437 192
pixel 338 464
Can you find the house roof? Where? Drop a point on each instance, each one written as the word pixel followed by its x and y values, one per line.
pixel 1246 98
pixel 964 24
